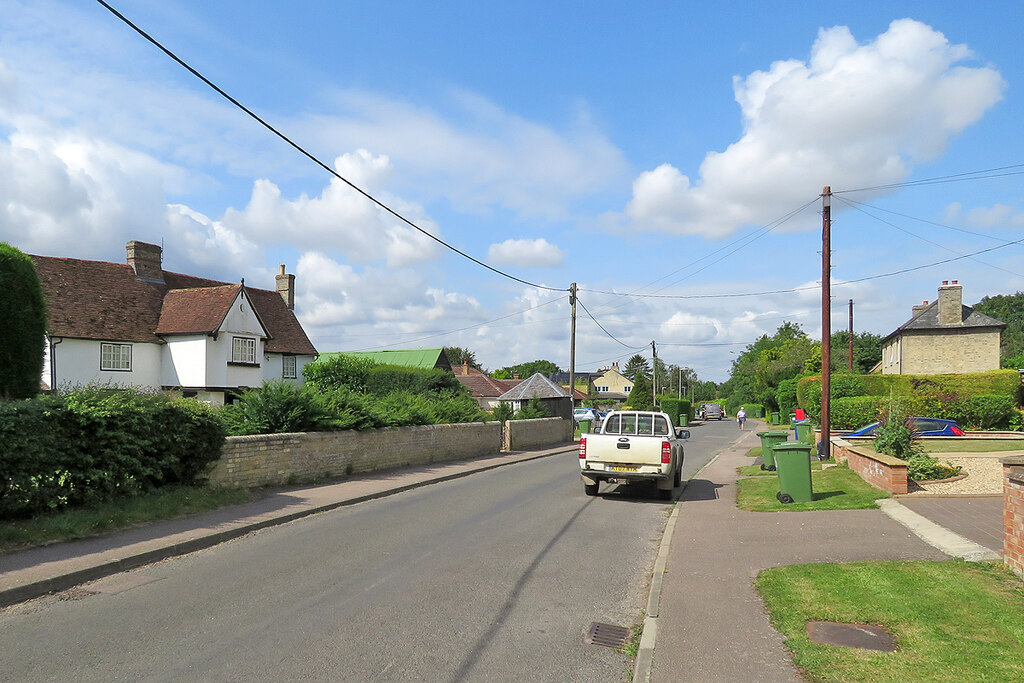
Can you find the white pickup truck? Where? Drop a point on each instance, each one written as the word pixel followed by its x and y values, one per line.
pixel 633 445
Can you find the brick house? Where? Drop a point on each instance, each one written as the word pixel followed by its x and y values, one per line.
pixel 484 389
pixel 135 324
pixel 943 337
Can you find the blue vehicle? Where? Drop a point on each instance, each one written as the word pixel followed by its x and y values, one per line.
pixel 919 426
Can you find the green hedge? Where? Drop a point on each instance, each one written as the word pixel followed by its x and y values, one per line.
pixel 680 410
pixel 94 445
pixel 971 412
pixel 753 409
pixel 1000 382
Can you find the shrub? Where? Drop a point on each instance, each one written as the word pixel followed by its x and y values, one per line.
pixel 984 411
pixel 23 332
pixel 785 397
pixel 921 467
pixel 841 386
pixel 92 445
pixel 531 411
pixel 503 411
pixel 335 372
pixel 275 408
pixel 382 380
pixel 893 437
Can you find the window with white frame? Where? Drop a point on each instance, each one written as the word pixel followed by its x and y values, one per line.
pixel 288 367
pixel 601 390
pixel 628 389
pixel 116 357
pixel 243 350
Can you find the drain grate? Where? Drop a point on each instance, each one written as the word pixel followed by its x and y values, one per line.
pixel 607 635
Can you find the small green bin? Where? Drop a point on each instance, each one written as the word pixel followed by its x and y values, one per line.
pixel 775 418
pixel 803 430
pixel 584 426
pixel 793 459
pixel 768 441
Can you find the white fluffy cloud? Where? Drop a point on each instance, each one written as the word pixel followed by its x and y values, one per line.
pixel 995 216
pixel 538 253
pixel 851 116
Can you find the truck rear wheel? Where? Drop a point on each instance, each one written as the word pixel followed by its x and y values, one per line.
pixel 590 489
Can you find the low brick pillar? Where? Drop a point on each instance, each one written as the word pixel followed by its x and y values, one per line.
pixel 1013 513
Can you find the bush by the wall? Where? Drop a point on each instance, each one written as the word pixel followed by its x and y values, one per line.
pixel 984 411
pixel 532 410
pixel 275 408
pixel 678 410
pixel 336 372
pixel 785 397
pixel 94 445
pixel 754 409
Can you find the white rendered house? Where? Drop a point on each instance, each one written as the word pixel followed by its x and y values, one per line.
pixel 136 324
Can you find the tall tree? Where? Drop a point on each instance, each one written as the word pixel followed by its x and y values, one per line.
pixel 637 366
pixel 23 331
pixel 867 351
pixel 456 355
pixel 1010 309
pixel 524 370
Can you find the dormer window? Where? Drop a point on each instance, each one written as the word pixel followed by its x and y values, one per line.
pixel 243 350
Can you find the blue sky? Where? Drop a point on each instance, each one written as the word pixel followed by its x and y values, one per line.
pixel 609 144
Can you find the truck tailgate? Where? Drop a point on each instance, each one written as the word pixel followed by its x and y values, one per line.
pixel 640 450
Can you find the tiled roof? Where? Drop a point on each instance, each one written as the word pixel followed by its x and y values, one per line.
pixel 483 386
pixel 538 386
pixel 103 300
pixel 196 311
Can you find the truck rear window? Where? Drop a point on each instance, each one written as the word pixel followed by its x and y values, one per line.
pixel 637 425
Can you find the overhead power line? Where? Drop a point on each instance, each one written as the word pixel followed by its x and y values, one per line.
pixel 315 159
pixel 998 172
pixel 612 336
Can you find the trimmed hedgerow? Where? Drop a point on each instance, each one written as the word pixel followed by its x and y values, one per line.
pixel 275 408
pixel 23 332
pixel 94 445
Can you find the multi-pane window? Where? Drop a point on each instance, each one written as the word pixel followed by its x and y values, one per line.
pixel 116 357
pixel 601 389
pixel 243 350
pixel 628 389
pixel 288 367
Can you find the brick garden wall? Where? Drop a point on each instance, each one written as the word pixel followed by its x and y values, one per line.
pixel 1013 513
pixel 275 459
pixel 881 471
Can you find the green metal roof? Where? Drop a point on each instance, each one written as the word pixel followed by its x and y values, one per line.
pixel 412 358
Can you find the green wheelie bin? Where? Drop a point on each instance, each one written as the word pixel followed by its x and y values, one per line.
pixel 768 441
pixel 802 429
pixel 793 459
pixel 775 418
pixel 584 426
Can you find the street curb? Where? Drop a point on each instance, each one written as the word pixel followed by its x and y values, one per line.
pixel 937 536
pixel 649 635
pixel 13 596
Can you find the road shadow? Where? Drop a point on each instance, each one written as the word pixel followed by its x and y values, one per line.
pixel 641 492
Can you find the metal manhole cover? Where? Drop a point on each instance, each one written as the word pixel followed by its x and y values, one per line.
pixel 607 635
pixel 863 636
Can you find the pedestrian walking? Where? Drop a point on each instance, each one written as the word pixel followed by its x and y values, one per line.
pixel 741 416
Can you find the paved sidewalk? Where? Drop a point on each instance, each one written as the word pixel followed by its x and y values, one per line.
pixel 978 518
pixel 711 623
pixel 38 571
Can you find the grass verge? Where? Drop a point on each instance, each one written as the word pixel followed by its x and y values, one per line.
pixel 972 445
pixel 756 471
pixel 953 620
pixel 754 452
pixel 168 503
pixel 836 488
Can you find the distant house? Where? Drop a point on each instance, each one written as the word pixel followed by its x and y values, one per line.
pixel 138 325
pixel 410 358
pixel 484 389
pixel 584 382
pixel 611 385
pixel 554 398
pixel 943 337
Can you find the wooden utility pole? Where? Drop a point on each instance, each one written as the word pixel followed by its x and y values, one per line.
pixel 654 377
pixel 850 363
pixel 826 319
pixel 572 347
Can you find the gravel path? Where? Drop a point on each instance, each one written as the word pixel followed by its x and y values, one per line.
pixel 984 476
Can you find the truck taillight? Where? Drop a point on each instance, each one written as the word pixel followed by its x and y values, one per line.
pixel 666 452
pixel 583 447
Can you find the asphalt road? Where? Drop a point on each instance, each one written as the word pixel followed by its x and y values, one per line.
pixel 494 577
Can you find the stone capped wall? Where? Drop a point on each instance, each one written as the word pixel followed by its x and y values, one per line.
pixel 881 471
pixel 276 459
pixel 526 434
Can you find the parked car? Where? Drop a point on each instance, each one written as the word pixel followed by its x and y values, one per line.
pixel 919 426
pixel 713 411
pixel 585 414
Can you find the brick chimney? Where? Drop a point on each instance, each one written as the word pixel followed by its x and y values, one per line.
pixel 286 288
pixel 951 302
pixel 915 310
pixel 145 259
pixel 465 366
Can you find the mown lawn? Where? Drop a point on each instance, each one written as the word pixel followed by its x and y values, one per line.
pixel 756 471
pixel 835 488
pixel 953 620
pixel 169 503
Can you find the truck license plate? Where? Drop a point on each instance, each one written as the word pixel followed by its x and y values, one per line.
pixel 624 468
